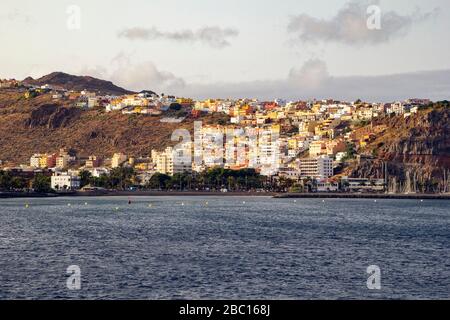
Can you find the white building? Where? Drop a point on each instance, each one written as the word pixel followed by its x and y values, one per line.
pixel 97 172
pixel 325 185
pixel 35 160
pixel 319 168
pixel 65 181
pixel 172 161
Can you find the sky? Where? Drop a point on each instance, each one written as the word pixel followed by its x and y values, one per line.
pixel 377 50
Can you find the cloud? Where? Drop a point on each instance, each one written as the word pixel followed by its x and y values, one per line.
pixel 311 75
pixel 137 76
pixel 309 81
pixel 312 81
pixel 349 25
pixel 214 36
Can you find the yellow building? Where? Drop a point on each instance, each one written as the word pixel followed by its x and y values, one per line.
pixel 118 159
pixel 317 148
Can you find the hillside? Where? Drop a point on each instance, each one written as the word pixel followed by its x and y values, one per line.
pixel 77 83
pixel 38 125
pixel 416 150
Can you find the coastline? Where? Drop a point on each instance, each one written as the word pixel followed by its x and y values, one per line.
pixel 375 196
pixel 111 193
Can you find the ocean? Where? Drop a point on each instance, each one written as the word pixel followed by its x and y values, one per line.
pixel 223 248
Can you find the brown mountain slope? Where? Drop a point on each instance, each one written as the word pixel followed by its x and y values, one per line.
pixel 77 83
pixel 39 125
pixel 416 150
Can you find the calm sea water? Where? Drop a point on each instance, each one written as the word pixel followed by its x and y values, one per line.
pixel 224 248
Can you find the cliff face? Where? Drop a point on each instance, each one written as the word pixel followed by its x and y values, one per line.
pixel 416 151
pixel 426 134
pixel 52 116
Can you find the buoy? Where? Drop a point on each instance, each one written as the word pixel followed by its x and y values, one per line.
pixel 117 208
pixel 243 202
pixel 85 203
pixel 68 204
pixel 150 205
pixel 182 203
pixel 295 201
pixel 26 205
pixel 206 202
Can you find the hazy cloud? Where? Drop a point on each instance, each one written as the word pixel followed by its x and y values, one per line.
pixel 349 25
pixel 312 80
pixel 137 76
pixel 311 75
pixel 214 36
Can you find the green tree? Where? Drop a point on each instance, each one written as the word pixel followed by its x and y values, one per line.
pixel 41 183
pixel 121 177
pixel 85 178
pixel 18 183
pixel 158 181
pixel 5 180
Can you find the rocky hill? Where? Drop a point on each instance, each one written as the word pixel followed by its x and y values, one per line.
pixel 77 83
pixel 414 150
pixel 40 125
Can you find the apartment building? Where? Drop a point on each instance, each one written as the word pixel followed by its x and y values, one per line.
pixel 43 161
pixel 92 162
pixel 319 167
pixel 62 161
pixel 172 161
pixel 317 148
pixel 118 159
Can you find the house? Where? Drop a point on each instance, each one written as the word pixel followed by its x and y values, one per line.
pixel 65 181
pixel 327 185
pixel 92 162
pixel 118 159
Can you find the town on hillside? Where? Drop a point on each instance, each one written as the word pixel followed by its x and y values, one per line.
pixel 283 146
